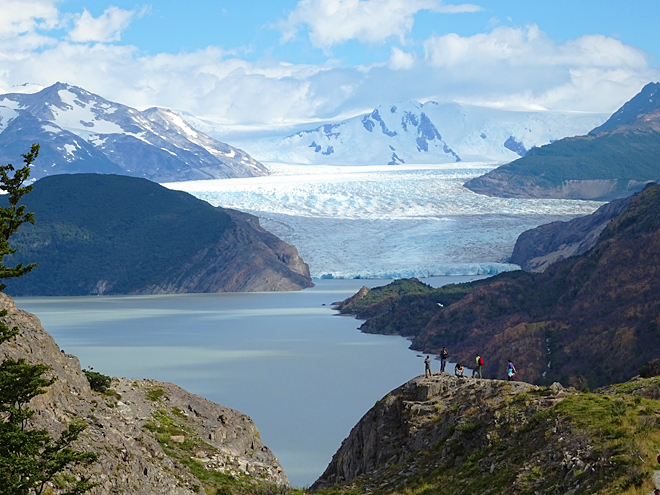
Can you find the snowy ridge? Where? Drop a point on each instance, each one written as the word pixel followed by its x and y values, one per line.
pixel 412 132
pixel 387 221
pixel 155 144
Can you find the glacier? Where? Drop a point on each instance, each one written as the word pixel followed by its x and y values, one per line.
pixel 386 221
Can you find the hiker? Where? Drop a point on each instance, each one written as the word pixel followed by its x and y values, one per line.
pixel 443 359
pixel 458 370
pixel 511 371
pixel 427 367
pixel 477 367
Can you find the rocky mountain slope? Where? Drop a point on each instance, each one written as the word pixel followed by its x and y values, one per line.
pixel 538 248
pixel 151 437
pixel 646 101
pixel 604 165
pixel 82 132
pixel 591 319
pixel 445 435
pixel 413 132
pixel 112 234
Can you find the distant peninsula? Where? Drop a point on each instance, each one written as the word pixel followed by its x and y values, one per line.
pixel 111 234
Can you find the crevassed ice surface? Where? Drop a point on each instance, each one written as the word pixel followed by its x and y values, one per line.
pixel 387 221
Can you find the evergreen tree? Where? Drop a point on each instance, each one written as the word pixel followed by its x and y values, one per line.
pixel 29 458
pixel 13 216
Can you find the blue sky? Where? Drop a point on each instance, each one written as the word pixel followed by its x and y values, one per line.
pixel 256 64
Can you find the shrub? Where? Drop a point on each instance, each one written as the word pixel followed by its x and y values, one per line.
pixel 97 381
pixel 650 369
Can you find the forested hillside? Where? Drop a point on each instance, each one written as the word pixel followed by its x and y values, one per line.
pixel 590 319
pixel 112 234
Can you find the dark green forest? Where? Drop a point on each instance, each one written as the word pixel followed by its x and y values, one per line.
pixel 630 155
pixel 128 231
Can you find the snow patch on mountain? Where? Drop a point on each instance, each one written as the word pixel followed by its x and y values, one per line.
pixel 412 132
pixel 156 144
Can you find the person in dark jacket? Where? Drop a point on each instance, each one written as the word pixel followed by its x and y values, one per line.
pixel 443 359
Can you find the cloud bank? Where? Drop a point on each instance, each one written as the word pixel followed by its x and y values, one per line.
pixel 369 21
pixel 520 68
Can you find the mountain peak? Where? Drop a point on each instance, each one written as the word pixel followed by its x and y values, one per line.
pixel 79 130
pixel 647 100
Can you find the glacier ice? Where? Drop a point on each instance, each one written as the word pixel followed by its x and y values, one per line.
pixel 387 221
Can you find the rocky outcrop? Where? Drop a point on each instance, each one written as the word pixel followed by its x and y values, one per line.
pixel 410 419
pixel 446 435
pixel 146 433
pixel 538 248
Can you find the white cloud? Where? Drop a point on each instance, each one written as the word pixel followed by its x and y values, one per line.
pixel 510 68
pixel 529 46
pixel 25 16
pixel 104 29
pixel 20 21
pixel 400 60
pixel 371 21
pixel 456 9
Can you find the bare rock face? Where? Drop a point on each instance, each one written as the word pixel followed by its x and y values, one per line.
pixel 144 431
pixel 538 248
pixel 410 419
pixel 248 258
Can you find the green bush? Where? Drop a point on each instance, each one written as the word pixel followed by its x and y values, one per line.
pixel 97 381
pixel 650 369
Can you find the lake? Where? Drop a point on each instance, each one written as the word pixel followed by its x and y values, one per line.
pixel 304 375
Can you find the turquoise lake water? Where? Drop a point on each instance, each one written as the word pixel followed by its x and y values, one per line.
pixel 304 375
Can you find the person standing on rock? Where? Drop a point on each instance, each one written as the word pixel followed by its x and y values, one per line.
pixel 477 367
pixel 427 367
pixel 510 371
pixel 443 359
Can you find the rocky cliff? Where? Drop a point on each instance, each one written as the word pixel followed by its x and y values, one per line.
pixel 112 234
pixel 445 435
pixel 538 248
pixel 151 437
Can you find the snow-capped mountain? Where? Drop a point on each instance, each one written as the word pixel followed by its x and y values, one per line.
pixel 413 132
pixel 82 132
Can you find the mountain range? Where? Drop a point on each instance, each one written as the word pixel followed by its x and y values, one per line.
pixel 113 234
pixel 414 132
pixel 82 132
pixel 612 161
pixel 591 319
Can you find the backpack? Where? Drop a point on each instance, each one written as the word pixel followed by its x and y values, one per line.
pixel 481 361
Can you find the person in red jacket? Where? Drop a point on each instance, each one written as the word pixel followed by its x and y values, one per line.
pixel 477 367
